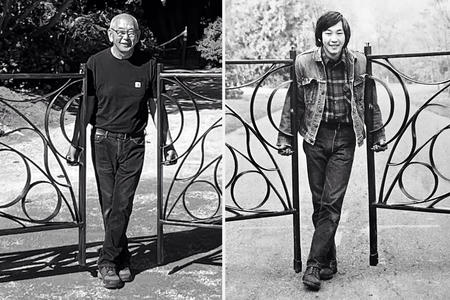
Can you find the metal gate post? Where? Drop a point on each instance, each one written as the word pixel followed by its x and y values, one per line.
pixel 82 174
pixel 183 47
pixel 368 101
pixel 295 182
pixel 159 181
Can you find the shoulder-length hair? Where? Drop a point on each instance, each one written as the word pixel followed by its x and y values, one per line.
pixel 327 20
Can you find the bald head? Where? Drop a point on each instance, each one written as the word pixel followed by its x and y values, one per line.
pixel 123 33
pixel 123 17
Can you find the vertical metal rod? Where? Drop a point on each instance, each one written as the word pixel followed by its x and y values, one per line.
pixel 82 174
pixel 295 179
pixel 183 49
pixel 368 101
pixel 159 181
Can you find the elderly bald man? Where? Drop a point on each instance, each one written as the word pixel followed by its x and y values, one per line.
pixel 121 89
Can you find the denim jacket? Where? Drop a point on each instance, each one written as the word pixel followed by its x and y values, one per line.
pixel 312 92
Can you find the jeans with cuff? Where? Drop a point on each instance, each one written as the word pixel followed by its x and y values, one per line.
pixel 329 163
pixel 118 161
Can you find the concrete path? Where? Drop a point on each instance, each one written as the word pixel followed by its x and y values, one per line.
pixel 44 266
pixel 414 261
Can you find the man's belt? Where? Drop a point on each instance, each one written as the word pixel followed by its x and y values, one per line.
pixel 335 125
pixel 119 135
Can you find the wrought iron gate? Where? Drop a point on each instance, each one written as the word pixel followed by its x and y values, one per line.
pixel 393 192
pixel 280 198
pixel 44 175
pixel 193 194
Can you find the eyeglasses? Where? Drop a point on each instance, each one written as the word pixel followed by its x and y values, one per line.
pixel 121 33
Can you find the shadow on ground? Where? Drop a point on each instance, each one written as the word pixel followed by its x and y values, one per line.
pixel 197 246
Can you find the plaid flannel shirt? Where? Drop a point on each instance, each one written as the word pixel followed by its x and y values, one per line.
pixel 337 104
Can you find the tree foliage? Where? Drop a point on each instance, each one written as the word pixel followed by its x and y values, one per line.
pixel 427 32
pixel 266 30
pixel 56 35
pixel 210 46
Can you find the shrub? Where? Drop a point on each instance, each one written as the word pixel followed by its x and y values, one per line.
pixel 210 46
pixel 30 44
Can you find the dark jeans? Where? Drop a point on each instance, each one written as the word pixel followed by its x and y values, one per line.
pixel 329 163
pixel 118 164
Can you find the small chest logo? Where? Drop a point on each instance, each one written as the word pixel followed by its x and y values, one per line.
pixel 137 84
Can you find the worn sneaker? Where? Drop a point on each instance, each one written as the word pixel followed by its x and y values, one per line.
pixel 311 278
pixel 125 274
pixel 327 272
pixel 108 275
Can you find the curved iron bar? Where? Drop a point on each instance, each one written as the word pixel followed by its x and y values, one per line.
pixel 75 216
pixel 416 201
pixel 276 168
pixel 188 89
pixel 21 221
pixel 18 220
pixel 167 214
pixel 216 176
pixel 200 140
pixel 63 114
pixel 49 139
pixel 432 157
pixel 407 103
pixel 399 132
pixel 251 159
pixel 56 94
pixel 286 205
pixel 248 128
pixel 53 214
pixel 47 144
pixel 271 68
pixel 227 183
pixel 252 104
pixel 269 107
pixel 263 201
pixel 190 213
pixel 233 211
pixel 412 122
pixel 36 130
pixel 40 98
pixel 392 102
pixel 438 199
pixel 412 79
pixel 197 115
pixel 399 176
pixel 27 183
pixel 433 201
pixel 402 186
pixel 171 99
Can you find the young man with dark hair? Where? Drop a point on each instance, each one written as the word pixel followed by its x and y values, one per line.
pixel 330 82
pixel 121 89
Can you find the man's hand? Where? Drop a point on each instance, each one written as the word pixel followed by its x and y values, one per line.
pixel 285 150
pixel 170 157
pixel 380 145
pixel 72 156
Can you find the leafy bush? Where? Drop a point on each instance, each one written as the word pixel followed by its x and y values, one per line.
pixel 48 37
pixel 87 34
pixel 210 46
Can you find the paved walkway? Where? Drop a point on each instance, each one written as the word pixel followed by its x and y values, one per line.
pixel 414 261
pixel 193 266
